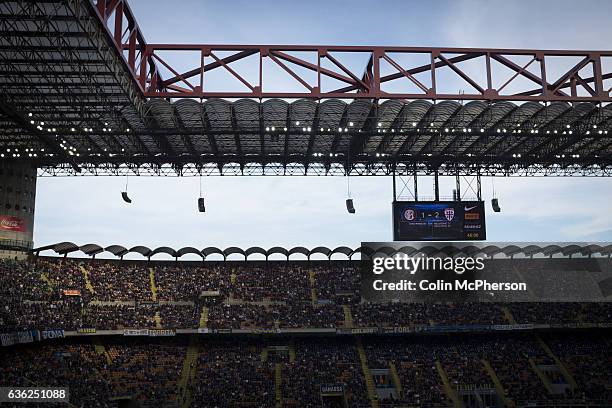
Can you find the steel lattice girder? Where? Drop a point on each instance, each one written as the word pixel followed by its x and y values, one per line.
pixel 584 80
pixel 321 169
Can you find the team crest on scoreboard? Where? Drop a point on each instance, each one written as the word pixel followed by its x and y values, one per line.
pixel 409 215
pixel 449 213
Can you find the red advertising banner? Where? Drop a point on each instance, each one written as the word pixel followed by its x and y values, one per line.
pixel 10 223
pixel 72 292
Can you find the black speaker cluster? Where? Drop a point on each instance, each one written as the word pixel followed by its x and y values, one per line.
pixel 349 206
pixel 495 205
pixel 125 197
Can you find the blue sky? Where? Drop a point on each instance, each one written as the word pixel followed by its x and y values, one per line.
pixel 291 211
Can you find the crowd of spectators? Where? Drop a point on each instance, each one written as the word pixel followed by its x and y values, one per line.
pixel 64 314
pixel 546 313
pixel 280 283
pixel 144 370
pixel 234 374
pixel 588 359
pixel 71 293
pixel 261 372
pixel 324 362
pixel 187 283
pixel 73 366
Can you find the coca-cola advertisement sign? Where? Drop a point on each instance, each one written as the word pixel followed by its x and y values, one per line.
pixel 9 223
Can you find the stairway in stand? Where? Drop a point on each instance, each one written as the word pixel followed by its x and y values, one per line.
pixel 446 386
pixel 569 378
pixel 313 290
pixel 395 378
pixel 203 318
pixel 278 381
pixel 348 316
pixel 101 350
pixel 188 373
pixel 373 397
pixel 292 353
pixel 153 286
pixel 88 284
pixel 498 385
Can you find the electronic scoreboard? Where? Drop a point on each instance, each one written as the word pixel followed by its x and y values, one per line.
pixel 439 221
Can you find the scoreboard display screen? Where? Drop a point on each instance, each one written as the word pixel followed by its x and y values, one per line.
pixel 439 221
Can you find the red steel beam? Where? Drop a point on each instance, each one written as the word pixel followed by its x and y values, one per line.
pixel 131 39
pixel 366 82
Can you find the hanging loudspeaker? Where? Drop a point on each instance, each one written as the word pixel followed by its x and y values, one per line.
pixel 495 205
pixel 201 206
pixel 125 197
pixel 349 206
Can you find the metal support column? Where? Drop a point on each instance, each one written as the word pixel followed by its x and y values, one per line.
pixel 436 186
pixel 394 187
pixel 416 184
pixel 458 186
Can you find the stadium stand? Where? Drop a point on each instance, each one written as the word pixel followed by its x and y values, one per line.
pixel 245 333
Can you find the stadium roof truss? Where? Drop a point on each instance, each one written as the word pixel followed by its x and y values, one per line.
pixel 81 92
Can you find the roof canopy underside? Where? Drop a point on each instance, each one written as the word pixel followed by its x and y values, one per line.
pixel 247 136
pixel 71 103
